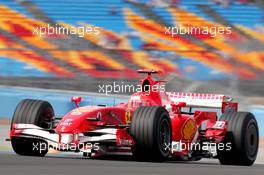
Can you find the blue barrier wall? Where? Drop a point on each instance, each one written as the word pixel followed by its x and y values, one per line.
pixel 61 101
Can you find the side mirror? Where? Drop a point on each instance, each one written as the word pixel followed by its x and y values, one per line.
pixel 76 100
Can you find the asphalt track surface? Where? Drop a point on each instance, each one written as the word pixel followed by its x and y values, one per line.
pixel 71 165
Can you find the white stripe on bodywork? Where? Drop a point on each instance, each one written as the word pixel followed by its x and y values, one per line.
pixel 106 131
pixel 27 126
pixel 31 130
pixel 42 134
pixel 105 137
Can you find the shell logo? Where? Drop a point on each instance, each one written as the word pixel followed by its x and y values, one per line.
pixel 128 117
pixel 189 129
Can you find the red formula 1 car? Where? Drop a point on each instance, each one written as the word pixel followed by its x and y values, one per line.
pixel 154 125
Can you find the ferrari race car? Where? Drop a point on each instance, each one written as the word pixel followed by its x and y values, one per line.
pixel 153 126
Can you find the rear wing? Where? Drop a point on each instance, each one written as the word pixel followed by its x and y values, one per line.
pixel 203 100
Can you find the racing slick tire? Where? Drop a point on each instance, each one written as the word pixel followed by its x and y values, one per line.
pixel 39 113
pixel 243 134
pixel 151 129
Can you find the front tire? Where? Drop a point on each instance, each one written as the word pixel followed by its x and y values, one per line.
pixel 29 147
pixel 39 113
pixel 243 135
pixel 151 129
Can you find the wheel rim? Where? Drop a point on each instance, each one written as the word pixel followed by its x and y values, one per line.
pixel 252 140
pixel 164 135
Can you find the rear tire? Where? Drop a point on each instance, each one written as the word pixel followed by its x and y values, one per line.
pixel 243 135
pixel 151 129
pixel 39 113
